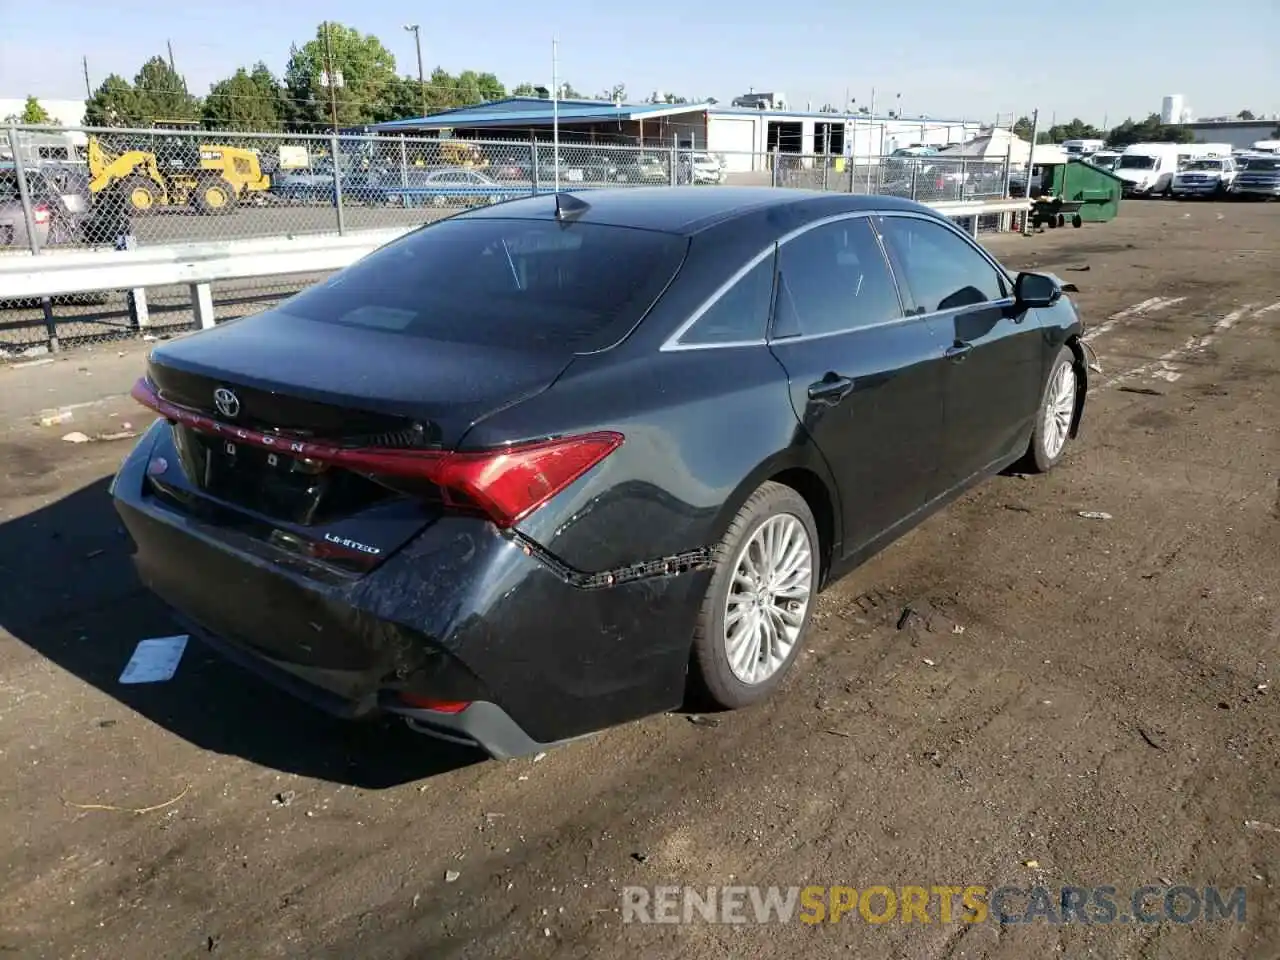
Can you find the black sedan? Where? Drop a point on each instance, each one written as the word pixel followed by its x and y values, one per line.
pixel 549 465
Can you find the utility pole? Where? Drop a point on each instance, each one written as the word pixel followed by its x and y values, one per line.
pixel 1031 163
pixel 331 78
pixel 416 30
pixel 555 110
pixel 88 90
pixel 169 44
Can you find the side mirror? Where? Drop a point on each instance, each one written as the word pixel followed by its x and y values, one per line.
pixel 1031 290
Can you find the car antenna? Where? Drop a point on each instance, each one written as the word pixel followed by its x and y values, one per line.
pixel 567 205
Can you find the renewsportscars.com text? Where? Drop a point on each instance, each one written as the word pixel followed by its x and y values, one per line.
pixel 879 904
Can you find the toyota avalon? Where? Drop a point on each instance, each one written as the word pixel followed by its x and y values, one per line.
pixel 555 464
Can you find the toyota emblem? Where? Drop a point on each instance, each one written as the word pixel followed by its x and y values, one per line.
pixel 228 403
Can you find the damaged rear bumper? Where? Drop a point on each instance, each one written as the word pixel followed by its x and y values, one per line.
pixel 463 614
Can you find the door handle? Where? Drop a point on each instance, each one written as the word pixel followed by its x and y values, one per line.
pixel 958 350
pixel 831 389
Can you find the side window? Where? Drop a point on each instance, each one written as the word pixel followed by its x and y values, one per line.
pixel 833 278
pixel 741 313
pixel 941 269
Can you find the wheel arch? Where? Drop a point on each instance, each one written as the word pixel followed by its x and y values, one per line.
pixel 802 469
pixel 1081 365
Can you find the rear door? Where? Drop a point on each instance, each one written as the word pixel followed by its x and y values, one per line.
pixel 994 358
pixel 866 380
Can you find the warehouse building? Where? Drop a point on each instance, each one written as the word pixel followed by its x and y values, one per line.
pixel 745 136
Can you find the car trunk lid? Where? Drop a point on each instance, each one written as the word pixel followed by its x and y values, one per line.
pixel 263 410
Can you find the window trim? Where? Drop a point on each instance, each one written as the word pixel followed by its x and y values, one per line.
pixel 672 343
pixel 1007 300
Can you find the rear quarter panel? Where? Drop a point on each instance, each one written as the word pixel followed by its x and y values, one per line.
pixel 702 428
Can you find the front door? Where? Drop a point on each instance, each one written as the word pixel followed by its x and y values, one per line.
pixel 993 356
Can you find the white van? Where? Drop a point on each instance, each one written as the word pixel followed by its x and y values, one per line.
pixel 1265 146
pixel 1147 169
pixel 1204 177
pixel 1079 149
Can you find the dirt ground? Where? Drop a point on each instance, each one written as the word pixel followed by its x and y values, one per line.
pixel 1107 715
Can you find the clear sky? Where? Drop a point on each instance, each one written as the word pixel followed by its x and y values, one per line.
pixel 1107 59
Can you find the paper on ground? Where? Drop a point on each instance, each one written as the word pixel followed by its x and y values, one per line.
pixel 155 660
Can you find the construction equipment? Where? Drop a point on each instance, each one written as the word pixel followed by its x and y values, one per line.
pixel 212 178
pixel 459 153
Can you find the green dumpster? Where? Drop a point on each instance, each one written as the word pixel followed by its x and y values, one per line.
pixel 1094 193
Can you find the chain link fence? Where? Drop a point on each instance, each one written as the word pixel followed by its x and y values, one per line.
pixel 85 188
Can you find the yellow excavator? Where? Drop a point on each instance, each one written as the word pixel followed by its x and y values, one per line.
pixel 212 178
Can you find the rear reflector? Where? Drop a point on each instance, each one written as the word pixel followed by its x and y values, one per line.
pixel 430 703
pixel 41 213
pixel 506 484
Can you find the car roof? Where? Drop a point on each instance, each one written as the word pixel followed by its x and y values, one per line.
pixel 686 210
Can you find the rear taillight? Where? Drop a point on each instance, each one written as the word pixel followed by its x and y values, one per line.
pixel 506 484
pixel 433 704
pixel 41 213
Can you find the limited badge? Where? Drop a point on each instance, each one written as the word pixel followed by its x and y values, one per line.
pixel 229 449
pixel 273 460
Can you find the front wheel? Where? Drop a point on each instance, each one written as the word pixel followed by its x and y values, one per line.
pixel 758 604
pixel 1056 414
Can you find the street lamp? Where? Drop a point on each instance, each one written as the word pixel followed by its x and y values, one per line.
pixel 416 30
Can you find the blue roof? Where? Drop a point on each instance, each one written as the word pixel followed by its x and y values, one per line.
pixel 536 112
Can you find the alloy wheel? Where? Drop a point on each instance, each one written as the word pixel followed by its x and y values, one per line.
pixel 1060 407
pixel 768 597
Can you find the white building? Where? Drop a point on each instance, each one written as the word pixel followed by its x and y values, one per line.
pixel 744 136
pixel 1172 108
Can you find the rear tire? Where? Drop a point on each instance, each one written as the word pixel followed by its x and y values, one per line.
pixel 1056 414
pixel 758 605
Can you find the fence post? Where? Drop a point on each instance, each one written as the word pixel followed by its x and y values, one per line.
pixel 964 182
pixel 773 178
pixel 675 160
pixel 24 193
pixel 404 172
pixel 915 172
pixel 533 161
pixel 29 218
pixel 337 183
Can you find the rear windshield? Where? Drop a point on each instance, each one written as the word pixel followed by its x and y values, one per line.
pixel 1136 161
pixel 528 284
pixel 1204 165
pixel 1262 164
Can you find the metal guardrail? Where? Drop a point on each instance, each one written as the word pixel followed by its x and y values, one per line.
pixel 36 277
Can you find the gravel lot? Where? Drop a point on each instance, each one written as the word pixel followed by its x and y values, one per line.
pixel 1107 715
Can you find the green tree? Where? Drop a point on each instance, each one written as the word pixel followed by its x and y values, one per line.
pixel 341 68
pixel 163 94
pixel 1150 130
pixel 32 112
pixel 247 100
pixel 1076 129
pixel 472 87
pixel 1022 128
pixel 114 104
pixel 525 89
pixel 1245 115
pixel 617 93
